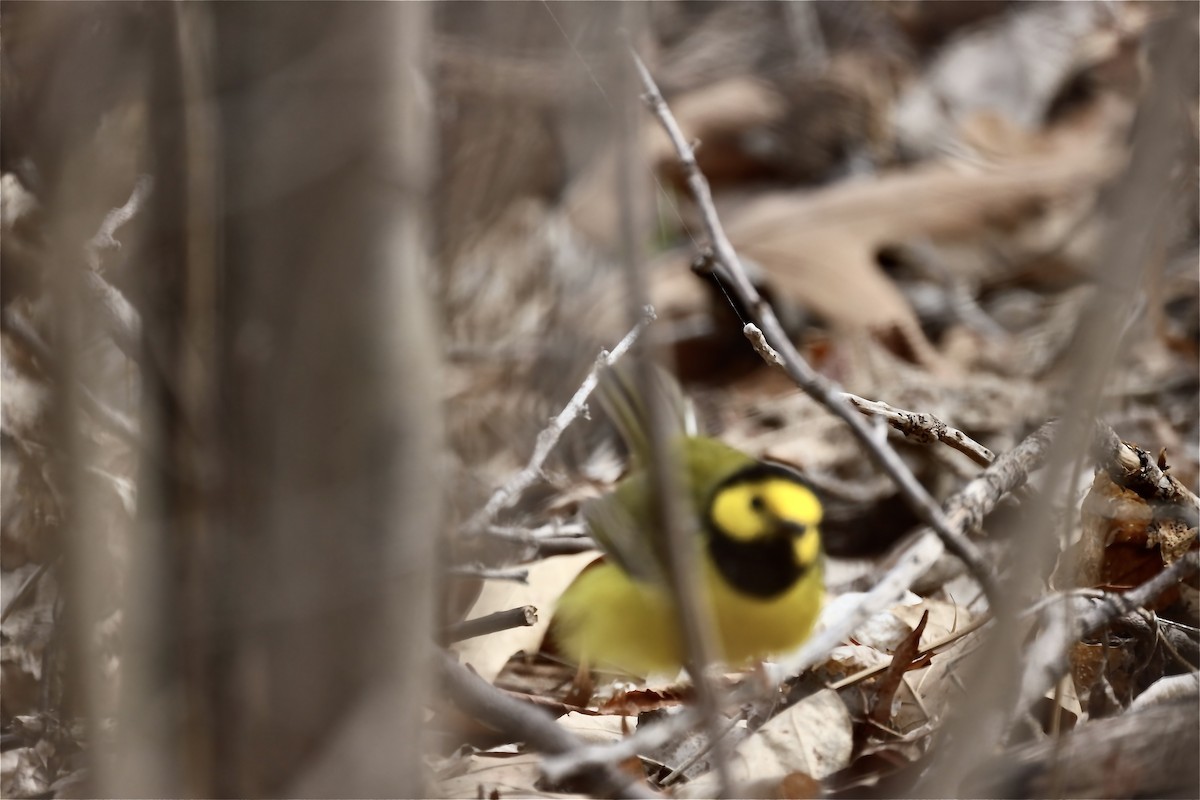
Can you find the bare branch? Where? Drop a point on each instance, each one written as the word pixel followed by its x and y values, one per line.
pixel 117 313
pixel 114 220
pixel 508 494
pixel 488 573
pixel 520 617
pixel 923 427
pixel 728 269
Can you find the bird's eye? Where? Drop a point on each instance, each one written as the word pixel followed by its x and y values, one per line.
pixel 756 503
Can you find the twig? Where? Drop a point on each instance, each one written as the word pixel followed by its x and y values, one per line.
pixel 520 617
pixel 967 508
pixel 488 573
pixel 728 269
pixel 508 494
pixel 932 649
pixel 673 516
pixel 546 540
pixel 812 55
pixel 759 343
pixel 119 316
pixel 554 530
pixel 114 220
pixel 523 722
pixel 691 761
pixel 923 428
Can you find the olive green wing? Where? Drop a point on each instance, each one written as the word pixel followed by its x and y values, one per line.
pixel 627 406
pixel 622 522
pixel 619 522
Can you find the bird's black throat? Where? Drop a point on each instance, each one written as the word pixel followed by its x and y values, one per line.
pixel 763 568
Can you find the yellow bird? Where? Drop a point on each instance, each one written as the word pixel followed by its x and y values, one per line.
pixel 759 544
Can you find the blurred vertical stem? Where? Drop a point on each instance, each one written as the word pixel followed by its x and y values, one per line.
pixel 671 513
pixel 1128 203
pixel 284 587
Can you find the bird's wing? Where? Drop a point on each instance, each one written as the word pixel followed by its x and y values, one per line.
pixel 627 405
pixel 618 523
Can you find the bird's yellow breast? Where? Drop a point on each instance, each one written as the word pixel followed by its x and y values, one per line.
pixel 607 618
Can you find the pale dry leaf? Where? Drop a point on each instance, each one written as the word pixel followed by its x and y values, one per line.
pixel 26 399
pixel 848 659
pixel 1010 67
pixel 813 737
pixel 1173 537
pixel 547 580
pixel 507 776
pixel 598 728
pixel 819 248
pixel 1171 689
pixel 927 694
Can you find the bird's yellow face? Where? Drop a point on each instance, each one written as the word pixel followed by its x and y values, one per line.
pixel 763 527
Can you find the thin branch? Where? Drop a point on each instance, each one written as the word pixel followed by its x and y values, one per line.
pixel 508 494
pixel 919 426
pixel 923 428
pixel 488 573
pixel 728 269
pixel 520 617
pixel 114 220
pixel 671 513
pixel 119 316
pixel 545 541
pixel 26 589
pixel 531 725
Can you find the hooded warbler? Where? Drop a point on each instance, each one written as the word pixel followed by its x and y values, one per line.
pixel 758 534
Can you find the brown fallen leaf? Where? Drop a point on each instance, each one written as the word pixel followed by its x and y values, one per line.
pixel 903 659
pixel 1124 542
pixel 819 248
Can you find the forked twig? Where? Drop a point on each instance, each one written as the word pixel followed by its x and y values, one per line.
pixel 729 270
pixel 508 494
pixel 916 425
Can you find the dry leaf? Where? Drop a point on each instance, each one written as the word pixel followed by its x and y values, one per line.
pixel 547 580
pixel 598 729
pixel 902 661
pixel 508 776
pixel 812 737
pixel 1122 544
